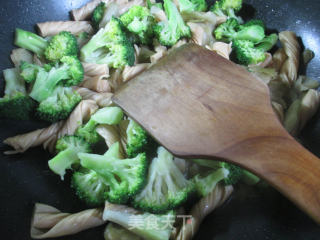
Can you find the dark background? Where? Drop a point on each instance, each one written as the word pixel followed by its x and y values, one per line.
pixel 251 213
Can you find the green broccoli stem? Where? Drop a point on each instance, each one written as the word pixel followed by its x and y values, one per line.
pixel 95 162
pixel 254 33
pixel 231 13
pixel 97 41
pixel 186 5
pixel 14 83
pixel 90 126
pixel 268 42
pixel 249 178
pixel 205 185
pixel 122 215
pixel 63 160
pixel 208 163
pixel 108 115
pixel 30 41
pixel 175 20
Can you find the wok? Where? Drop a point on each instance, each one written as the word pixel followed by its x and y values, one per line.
pixel 251 213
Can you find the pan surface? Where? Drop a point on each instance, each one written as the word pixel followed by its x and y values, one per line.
pixel 251 214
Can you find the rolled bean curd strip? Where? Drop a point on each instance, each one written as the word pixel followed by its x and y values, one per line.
pixel 75 27
pixel 49 222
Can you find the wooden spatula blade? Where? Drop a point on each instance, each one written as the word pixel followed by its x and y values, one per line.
pixel 198 104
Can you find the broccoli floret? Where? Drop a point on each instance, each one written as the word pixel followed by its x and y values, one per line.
pixel 227 31
pixel 74 69
pixel 205 185
pixel 30 41
pixel 226 8
pixel 124 177
pixel 166 188
pixel 69 73
pixel 89 187
pixel 110 45
pixel 124 216
pixel 193 5
pixel 235 172
pixel 246 52
pixel 137 139
pixel 60 45
pixel 97 14
pixel 15 104
pixel 168 33
pixel 107 115
pixel 249 53
pixel 139 21
pixel 267 43
pixel 226 172
pixel 29 71
pixel 59 105
pixel 251 23
pixel 67 147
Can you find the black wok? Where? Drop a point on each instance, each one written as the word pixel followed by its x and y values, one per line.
pixel 251 214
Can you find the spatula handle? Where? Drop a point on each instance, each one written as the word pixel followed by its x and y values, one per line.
pixel 288 166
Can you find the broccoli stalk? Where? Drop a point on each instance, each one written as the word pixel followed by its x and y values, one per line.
pixel 267 43
pixel 109 45
pixel 140 22
pixel 107 115
pixel 89 187
pixel 60 45
pixel 169 32
pixel 235 172
pixel 59 105
pixel 249 178
pixel 30 41
pixel 227 31
pixel 69 73
pixel 192 5
pixel 227 8
pixel 15 104
pixel 166 187
pixel 68 148
pixel 124 177
pixel 123 216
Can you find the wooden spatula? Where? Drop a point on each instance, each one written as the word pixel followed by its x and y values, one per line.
pixel 200 105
